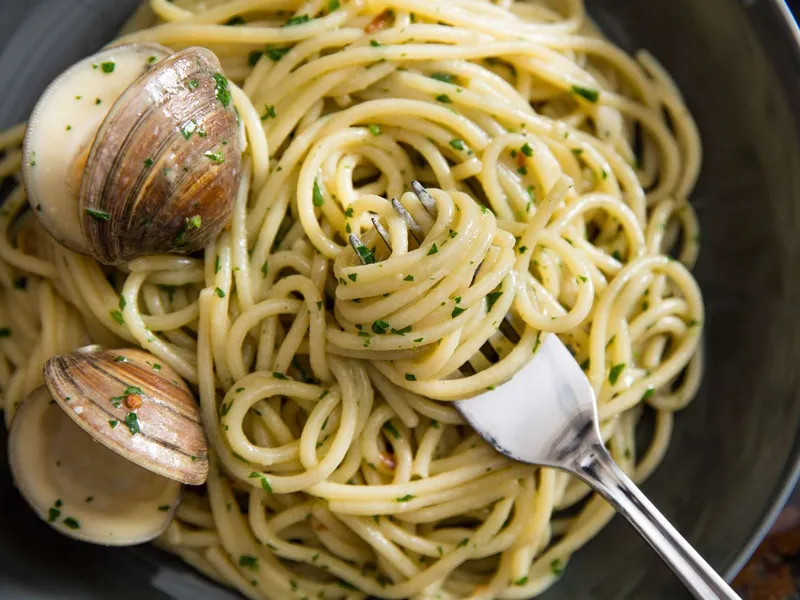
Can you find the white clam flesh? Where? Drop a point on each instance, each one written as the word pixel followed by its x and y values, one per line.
pixel 64 124
pixel 80 487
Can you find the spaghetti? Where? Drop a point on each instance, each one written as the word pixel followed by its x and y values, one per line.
pixel 339 469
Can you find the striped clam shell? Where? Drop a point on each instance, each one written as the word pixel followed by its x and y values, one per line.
pixel 135 405
pixel 165 165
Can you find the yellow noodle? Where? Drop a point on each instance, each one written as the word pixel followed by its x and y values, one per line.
pixel 339 470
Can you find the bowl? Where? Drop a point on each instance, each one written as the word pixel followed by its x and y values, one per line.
pixel 735 454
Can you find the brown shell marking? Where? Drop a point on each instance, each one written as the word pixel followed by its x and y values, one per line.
pixel 166 162
pixel 165 435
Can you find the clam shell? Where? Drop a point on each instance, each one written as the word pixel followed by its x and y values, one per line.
pixel 166 163
pixel 137 406
pixel 80 488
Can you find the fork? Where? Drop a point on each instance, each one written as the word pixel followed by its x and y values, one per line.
pixel 546 415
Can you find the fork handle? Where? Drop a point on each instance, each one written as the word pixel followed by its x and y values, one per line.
pixel 599 470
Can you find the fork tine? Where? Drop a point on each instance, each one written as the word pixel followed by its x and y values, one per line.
pixel 413 226
pixel 382 232
pixel 364 254
pixel 507 329
pixel 425 198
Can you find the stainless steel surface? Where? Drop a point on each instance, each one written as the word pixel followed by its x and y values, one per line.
pixel 547 415
pixel 735 451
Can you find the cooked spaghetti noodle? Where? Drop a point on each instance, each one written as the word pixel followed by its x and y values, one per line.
pixel 340 470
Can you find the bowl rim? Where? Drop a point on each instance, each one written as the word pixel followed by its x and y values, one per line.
pixel 777 30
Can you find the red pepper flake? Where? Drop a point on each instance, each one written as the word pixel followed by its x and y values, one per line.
pixel 133 401
pixel 387 460
pixel 382 21
pixel 520 159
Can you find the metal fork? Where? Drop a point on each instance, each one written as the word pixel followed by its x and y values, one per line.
pixel 546 415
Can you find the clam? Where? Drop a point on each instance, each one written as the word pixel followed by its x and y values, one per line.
pixel 135 151
pixel 101 450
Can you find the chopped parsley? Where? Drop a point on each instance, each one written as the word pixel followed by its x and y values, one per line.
pixel 132 421
pixel 275 54
pixel 72 523
pixel 265 485
pixel 374 43
pixel 444 99
pixel 148 162
pixel 352 276
pixel 615 372
pixel 220 293
pixel 221 89
pixel 117 316
pixel 433 249
pixel 333 5
pixel 406 498
pixel 443 77
pixel 216 157
pixel 375 129
pixel 249 562
pixel 164 507
pixel 556 566
pixel 297 20
pixel 457 311
pixel 380 326
pixel 318 198
pixel 457 143
pixel 389 426
pixel 366 255
pixel 586 93
pixel 278 375
pixel 100 215
pixel 269 112
pixel 526 150
pixel 491 298
pixel 193 84
pixel 648 393
pixel 521 581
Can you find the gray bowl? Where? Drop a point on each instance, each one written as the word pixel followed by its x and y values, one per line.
pixel 735 455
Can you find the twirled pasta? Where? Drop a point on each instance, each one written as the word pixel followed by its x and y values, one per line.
pixel 559 165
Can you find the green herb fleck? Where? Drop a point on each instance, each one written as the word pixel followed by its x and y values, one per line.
pixel 220 293
pixel 587 93
pixel 72 523
pixel 457 311
pixel 249 562
pixel 380 327
pixel 491 298
pixel 615 372
pixel 433 249
pixel 132 421
pixel 443 77
pixel 556 567
pixel 269 112
pixel 221 88
pixel 318 198
pixel 275 54
pixel 375 129
pixel 444 99
pixel 298 20
pixel 117 316
pixel 216 157
pixel 406 498
pixel 457 143
pixel 100 215
pixel 526 150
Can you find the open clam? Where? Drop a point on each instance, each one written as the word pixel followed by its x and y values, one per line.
pixel 100 451
pixel 135 151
